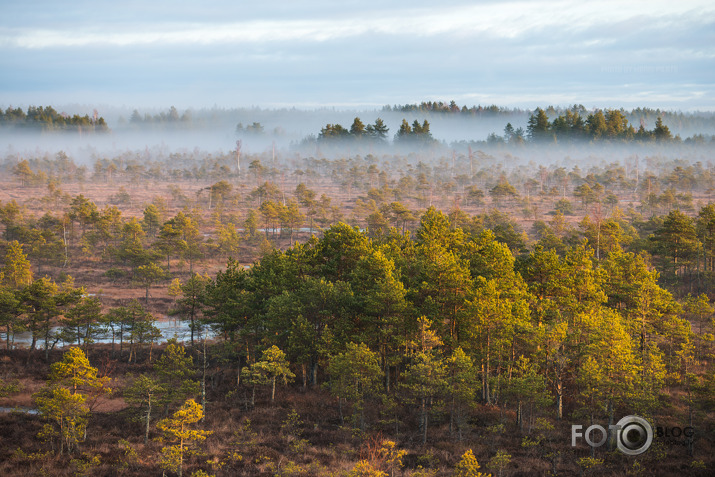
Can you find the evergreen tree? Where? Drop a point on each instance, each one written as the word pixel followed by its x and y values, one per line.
pixel 177 429
pixel 175 370
pixel 355 377
pixel 538 126
pixel 142 392
pixel 468 466
pixel 63 401
pixel 16 271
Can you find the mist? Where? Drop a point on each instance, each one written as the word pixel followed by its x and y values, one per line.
pixel 287 134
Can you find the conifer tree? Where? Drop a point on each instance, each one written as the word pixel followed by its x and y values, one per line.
pixel 63 401
pixel 355 377
pixel 273 365
pixel 175 370
pixel 177 429
pixel 16 271
pixel 468 466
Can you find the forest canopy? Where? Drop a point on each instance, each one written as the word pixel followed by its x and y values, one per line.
pixel 48 119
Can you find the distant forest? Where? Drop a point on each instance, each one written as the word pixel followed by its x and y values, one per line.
pixel 550 125
pixel 610 125
pixel 648 115
pixel 48 119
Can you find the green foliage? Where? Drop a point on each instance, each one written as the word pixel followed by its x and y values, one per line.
pixel 499 462
pixel 9 388
pixel 355 377
pixel 75 372
pixel 129 458
pixel 66 408
pixel 83 321
pixel 190 305
pixel 46 118
pixel 425 377
pixel 364 469
pixel 147 275
pixel 588 463
pixel 68 412
pixel 85 465
pixel 142 392
pixel 468 466
pixel 391 456
pixel 16 269
pixel 175 370
pixel 291 426
pixel 177 429
pixel 272 366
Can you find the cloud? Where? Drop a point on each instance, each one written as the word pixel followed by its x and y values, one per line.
pixel 326 52
pixel 491 20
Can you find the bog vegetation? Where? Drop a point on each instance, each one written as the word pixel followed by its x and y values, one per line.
pixel 365 315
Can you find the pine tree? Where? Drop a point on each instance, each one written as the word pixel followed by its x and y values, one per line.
pixel 191 302
pixel 461 388
pixel 175 370
pixel 16 271
pixel 177 429
pixel 468 466
pixel 142 392
pixel 538 126
pixel 75 372
pixel 63 401
pixel 355 377
pixel 425 376
pixel 273 365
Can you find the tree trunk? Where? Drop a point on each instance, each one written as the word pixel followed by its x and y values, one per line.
pixel 203 382
pixel 451 418
pixel 424 421
pixel 191 325
pixel 387 378
pixel 690 423
pixel 121 340
pixel 148 418
pixel 486 375
pixel 181 453
pixel 47 340
pixel 519 417
pixel 611 437
pixel 340 411
pixel 559 399
pixel 112 341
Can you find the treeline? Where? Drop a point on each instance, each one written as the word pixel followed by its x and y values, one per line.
pixel 575 125
pixel 453 108
pixel 165 117
pixel 610 124
pixel 678 119
pixel 358 131
pixel 48 119
pixel 416 133
pixel 601 126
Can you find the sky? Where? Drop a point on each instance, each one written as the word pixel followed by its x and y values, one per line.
pixel 357 54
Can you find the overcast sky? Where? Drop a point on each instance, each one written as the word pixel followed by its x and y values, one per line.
pixel 356 53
